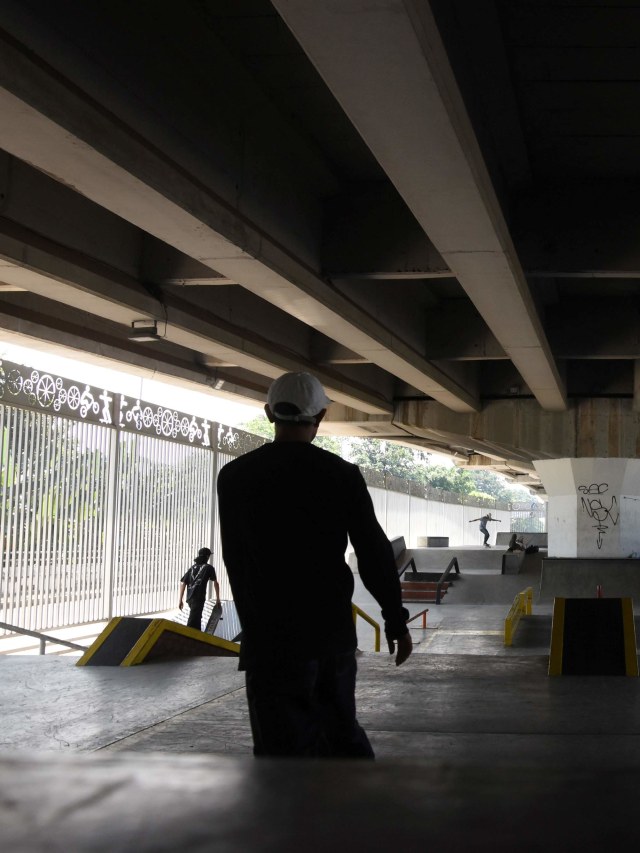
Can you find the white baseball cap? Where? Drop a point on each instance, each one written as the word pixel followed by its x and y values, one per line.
pixel 301 390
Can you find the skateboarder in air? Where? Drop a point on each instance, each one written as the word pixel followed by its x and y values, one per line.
pixel 483 527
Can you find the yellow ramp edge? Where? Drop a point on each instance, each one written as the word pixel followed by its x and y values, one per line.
pixel 629 628
pixel 557 634
pixel 97 643
pixel 629 633
pixel 158 627
pixel 522 606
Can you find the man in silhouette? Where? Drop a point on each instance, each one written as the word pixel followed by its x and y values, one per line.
pixel 287 511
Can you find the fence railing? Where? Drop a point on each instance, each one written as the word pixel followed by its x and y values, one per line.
pixel 43 638
pixel 105 500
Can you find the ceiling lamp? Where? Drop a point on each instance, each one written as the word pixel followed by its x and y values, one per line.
pixel 144 330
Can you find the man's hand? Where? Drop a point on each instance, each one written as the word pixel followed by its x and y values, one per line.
pixel 405 647
pixel 180 605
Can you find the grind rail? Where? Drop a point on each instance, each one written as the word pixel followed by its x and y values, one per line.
pixel 44 638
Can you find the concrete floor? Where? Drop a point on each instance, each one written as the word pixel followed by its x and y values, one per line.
pixel 477 749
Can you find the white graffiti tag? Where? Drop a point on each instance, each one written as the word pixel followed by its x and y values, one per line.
pixel 604 512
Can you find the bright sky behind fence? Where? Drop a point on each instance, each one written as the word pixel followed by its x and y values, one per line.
pixel 141 387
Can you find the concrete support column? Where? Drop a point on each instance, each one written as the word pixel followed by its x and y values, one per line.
pixel 594 507
pixel 636 385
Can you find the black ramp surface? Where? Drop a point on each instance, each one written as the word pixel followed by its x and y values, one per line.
pixel 119 643
pixel 593 640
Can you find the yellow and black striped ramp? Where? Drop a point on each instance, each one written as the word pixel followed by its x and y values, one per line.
pixel 593 636
pixel 128 641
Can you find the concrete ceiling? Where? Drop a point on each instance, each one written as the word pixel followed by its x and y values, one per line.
pixel 431 205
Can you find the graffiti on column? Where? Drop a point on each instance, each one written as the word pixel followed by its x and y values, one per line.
pixel 601 507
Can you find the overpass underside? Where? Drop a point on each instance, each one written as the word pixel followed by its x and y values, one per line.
pixel 507 435
pixel 431 205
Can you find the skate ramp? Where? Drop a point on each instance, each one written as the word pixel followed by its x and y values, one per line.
pixel 129 641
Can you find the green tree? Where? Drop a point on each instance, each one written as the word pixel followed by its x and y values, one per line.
pixel 451 479
pixel 498 487
pixel 332 443
pixel 260 425
pixel 389 458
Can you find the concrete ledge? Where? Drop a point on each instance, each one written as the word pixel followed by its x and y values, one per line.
pixel 539 539
pixel 578 578
pixel 433 541
pixel 512 563
pixel 104 803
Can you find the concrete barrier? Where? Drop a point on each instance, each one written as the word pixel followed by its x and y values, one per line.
pixel 433 541
pixel 579 577
pixel 539 539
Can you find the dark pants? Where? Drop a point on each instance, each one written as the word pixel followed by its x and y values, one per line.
pixel 196 607
pixel 306 709
pixel 486 534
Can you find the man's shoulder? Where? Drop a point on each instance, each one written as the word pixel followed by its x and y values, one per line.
pixel 320 460
pixel 278 465
pixel 275 451
pixel 348 469
pixel 253 457
pixel 331 458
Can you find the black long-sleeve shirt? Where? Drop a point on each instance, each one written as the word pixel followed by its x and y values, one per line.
pixel 287 511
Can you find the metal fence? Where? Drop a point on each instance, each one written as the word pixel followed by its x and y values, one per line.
pixel 106 499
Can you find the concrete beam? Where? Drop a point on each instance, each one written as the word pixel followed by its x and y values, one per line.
pixel 371 234
pixel 53 126
pixel 518 431
pixel 586 229
pixel 387 66
pixel 558 232
pixel 53 273
pixel 167 267
pixel 577 328
pixel 325 351
pixel 593 327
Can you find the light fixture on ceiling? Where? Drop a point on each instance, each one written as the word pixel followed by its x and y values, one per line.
pixel 144 330
pixel 214 381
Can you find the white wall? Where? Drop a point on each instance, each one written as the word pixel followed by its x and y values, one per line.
pixel 412 517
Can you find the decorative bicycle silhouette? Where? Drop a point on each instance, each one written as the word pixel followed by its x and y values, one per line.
pixel 230 439
pixel 73 397
pixel 88 403
pixel 15 382
pixel 46 390
pixel 49 391
pixel 167 423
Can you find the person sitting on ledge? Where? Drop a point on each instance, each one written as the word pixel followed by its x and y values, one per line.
pixel 515 544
